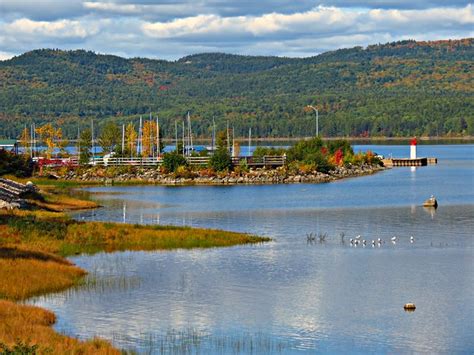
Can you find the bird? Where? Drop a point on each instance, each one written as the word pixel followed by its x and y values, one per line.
pixel 412 239
pixel 393 239
pixel 364 242
pixel 373 242
pixel 358 237
pixel 351 241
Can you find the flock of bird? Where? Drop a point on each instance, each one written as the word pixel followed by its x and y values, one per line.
pixel 378 242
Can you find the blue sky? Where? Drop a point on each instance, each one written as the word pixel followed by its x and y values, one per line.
pixel 172 29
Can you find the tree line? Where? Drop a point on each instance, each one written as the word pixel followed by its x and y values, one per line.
pixel 396 89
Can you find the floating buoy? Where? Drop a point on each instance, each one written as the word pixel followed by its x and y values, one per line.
pixel 409 307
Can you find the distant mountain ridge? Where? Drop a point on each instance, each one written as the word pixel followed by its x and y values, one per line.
pixel 399 88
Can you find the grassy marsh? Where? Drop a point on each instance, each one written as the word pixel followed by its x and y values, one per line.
pixel 33 245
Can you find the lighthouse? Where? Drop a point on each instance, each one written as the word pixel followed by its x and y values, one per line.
pixel 413 148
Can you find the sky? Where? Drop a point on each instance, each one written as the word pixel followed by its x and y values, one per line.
pixel 166 29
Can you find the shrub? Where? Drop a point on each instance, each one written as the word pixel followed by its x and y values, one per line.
pixel 260 152
pixel 173 160
pixel 221 160
pixel 19 348
pixel 243 166
pixel 184 172
pixel 17 164
pixel 303 149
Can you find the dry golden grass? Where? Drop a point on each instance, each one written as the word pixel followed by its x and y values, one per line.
pixel 60 203
pixel 32 325
pixel 25 273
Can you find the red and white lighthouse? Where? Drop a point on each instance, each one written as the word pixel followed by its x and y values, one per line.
pixel 413 148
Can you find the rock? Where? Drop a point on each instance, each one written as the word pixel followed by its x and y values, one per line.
pixel 431 202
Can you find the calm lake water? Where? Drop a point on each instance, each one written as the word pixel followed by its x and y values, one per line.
pixel 289 295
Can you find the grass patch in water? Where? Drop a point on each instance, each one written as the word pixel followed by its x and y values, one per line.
pixel 57 233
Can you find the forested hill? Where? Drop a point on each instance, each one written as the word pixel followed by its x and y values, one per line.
pixel 396 89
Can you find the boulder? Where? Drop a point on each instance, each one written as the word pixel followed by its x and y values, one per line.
pixel 431 202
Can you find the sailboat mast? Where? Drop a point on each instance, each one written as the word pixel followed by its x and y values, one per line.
pixel 92 139
pixel 233 142
pixel 176 135
pixel 157 137
pixel 123 138
pixel 78 139
pixel 250 139
pixel 140 137
pixel 184 142
pixel 213 134
pixel 228 138
pixel 190 133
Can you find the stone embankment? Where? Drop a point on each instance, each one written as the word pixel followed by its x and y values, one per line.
pixel 12 193
pixel 257 176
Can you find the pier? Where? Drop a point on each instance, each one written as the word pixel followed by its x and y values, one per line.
pixel 395 162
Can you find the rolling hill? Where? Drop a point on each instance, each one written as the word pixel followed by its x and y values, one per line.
pixel 396 89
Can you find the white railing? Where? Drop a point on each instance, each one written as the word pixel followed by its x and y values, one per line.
pixel 268 160
pixel 118 161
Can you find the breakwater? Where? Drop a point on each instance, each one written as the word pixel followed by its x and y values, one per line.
pixel 280 175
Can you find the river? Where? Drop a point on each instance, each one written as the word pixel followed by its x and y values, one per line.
pixel 291 295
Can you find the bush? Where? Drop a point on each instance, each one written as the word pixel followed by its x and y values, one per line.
pixel 173 160
pixel 17 164
pixel 184 172
pixel 243 166
pixel 19 348
pixel 260 152
pixel 221 160
pixel 303 150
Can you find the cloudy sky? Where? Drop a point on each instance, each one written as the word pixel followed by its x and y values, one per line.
pixel 171 29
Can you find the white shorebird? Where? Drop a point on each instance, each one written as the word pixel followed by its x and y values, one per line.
pixel 393 239
pixel 412 239
pixel 358 237
pixel 379 240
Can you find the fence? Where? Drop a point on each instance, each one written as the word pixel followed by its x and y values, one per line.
pixel 266 161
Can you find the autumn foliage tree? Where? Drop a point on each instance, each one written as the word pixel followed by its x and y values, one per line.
pixel 25 139
pixel 131 140
pixel 51 137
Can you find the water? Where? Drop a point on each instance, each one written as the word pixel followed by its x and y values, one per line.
pixel 289 295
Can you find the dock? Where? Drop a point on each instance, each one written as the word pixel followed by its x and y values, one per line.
pixel 394 162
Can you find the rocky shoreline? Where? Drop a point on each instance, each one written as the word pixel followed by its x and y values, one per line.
pixel 253 176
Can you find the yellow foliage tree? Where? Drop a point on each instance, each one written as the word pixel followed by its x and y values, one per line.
pixel 131 138
pixel 51 137
pixel 25 139
pixel 149 138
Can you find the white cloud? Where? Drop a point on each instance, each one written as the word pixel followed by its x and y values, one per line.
pixel 61 28
pixel 6 55
pixel 145 28
pixel 319 21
